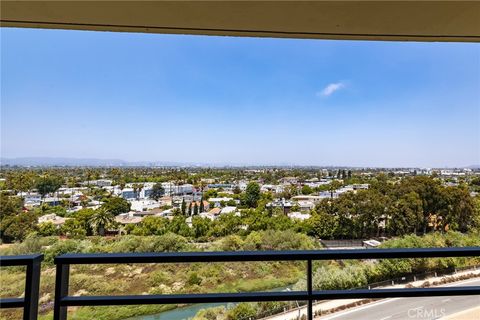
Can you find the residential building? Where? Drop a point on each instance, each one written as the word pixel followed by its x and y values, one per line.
pixel 299 216
pixel 98 183
pixel 218 202
pixel 313 199
pixel 52 218
pixel 144 205
pixel 228 209
pixel 127 218
pixel 283 204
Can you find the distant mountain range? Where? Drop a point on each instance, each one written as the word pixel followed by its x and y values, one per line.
pixel 94 162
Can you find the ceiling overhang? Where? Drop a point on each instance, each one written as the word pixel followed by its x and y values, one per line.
pixel 358 20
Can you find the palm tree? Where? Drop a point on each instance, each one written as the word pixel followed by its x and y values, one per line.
pixel 137 188
pixel 100 220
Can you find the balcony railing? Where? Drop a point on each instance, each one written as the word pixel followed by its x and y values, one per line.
pixel 63 262
pixel 32 284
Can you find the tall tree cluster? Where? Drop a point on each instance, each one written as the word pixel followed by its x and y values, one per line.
pixel 413 205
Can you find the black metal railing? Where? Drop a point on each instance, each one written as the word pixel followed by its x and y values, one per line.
pixel 63 262
pixel 32 284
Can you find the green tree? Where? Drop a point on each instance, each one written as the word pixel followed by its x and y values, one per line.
pixel 406 215
pixel 101 220
pixel 179 226
pixel 458 211
pixel 184 207
pixel 151 226
pixel 307 190
pixel 226 224
pixel 74 228
pixel 476 215
pixel 47 229
pixel 9 206
pixel 137 188
pixel 195 209
pixel 48 184
pixel 80 220
pixel 252 195
pixel 210 193
pixel 322 225
pixel 20 180
pixel 200 227
pixel 16 228
pixel 333 186
pixel 116 205
pixel 157 191
pixel 237 190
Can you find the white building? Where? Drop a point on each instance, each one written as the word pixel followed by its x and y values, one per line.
pixel 306 205
pixel 272 188
pixel 299 216
pixel 98 183
pixel 144 205
pixel 32 200
pixel 172 189
pixel 314 199
pixel 228 210
pixel 217 202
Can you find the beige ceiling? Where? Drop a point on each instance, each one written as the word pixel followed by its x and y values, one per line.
pixel 371 20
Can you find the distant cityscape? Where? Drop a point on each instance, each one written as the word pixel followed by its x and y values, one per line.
pixel 94 162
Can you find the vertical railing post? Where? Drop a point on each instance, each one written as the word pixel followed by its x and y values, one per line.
pixel 61 291
pixel 32 288
pixel 309 290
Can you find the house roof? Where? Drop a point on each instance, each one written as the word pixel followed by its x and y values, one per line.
pixel 128 219
pixel 215 211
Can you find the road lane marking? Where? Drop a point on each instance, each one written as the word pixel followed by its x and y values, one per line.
pixel 374 304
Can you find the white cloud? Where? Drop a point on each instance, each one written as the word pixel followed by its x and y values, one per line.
pixel 331 88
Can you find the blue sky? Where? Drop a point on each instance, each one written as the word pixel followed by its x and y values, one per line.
pixel 145 97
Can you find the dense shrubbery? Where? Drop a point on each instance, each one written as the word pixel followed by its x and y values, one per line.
pixel 52 246
pixel 269 240
pixel 155 279
pixel 353 274
pixel 168 242
pixel 358 273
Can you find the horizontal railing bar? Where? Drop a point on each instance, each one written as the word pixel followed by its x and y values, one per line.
pixel 268 296
pixel 396 293
pixel 183 298
pixel 238 256
pixel 21 260
pixel 12 303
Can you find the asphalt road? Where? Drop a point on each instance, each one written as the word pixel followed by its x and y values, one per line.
pixel 412 308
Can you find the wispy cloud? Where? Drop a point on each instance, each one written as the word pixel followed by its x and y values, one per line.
pixel 330 89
